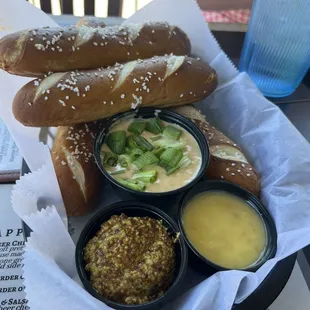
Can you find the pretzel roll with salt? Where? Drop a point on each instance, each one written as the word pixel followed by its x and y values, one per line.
pixel 38 51
pixel 77 173
pixel 82 96
pixel 227 161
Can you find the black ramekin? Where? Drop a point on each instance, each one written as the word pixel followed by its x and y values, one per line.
pixel 133 208
pixel 253 201
pixel 170 117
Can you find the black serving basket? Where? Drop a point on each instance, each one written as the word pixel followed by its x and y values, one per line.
pixel 197 270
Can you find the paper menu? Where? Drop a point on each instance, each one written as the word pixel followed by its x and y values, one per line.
pixel 12 295
pixel 10 158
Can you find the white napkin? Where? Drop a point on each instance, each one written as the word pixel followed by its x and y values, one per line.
pixel 35 191
pixel 274 146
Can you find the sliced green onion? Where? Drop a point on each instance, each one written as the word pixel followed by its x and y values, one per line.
pixel 137 127
pixel 131 142
pixel 116 141
pixel 155 138
pixel 155 126
pixel 124 160
pixel 142 143
pixel 127 150
pixel 145 159
pixel 108 158
pixel 170 158
pixel 134 185
pixel 120 171
pixel 172 132
pixel 158 151
pixel 184 162
pixel 145 176
pixel 172 170
pixel 170 143
pixel 135 153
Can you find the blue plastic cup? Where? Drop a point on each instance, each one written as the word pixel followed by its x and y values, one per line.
pixel 276 50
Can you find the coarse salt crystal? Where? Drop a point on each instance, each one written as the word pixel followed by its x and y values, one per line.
pixel 30 103
pixel 73 107
pixel 181 95
pixel 227 169
pixel 248 175
pixel 123 96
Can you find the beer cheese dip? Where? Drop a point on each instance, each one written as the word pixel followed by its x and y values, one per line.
pixel 176 161
pixel 224 229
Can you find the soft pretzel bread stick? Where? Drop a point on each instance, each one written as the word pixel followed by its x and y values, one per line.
pixel 77 173
pixel 80 97
pixel 36 52
pixel 227 160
